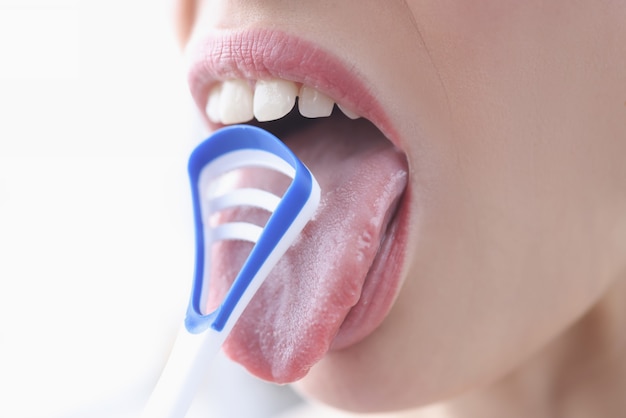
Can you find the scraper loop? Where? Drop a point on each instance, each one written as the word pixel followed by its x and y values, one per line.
pixel 230 149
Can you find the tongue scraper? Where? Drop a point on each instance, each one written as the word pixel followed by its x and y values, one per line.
pixel 228 149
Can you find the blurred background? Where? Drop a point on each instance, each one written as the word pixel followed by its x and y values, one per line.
pixel 96 242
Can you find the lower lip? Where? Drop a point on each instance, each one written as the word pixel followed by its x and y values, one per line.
pixel 381 285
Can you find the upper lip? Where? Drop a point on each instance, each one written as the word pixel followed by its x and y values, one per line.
pixel 262 54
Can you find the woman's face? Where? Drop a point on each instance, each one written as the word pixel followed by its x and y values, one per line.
pixel 504 150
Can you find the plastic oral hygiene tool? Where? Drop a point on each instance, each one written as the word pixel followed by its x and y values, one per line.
pixel 229 149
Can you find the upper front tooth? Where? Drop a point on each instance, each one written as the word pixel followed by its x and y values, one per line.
pixel 273 99
pixel 314 104
pixel 235 104
pixel 349 113
pixel 213 104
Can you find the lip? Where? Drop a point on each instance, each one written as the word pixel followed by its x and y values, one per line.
pixel 261 54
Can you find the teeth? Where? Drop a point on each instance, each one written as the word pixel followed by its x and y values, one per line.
pixel 234 101
pixel 348 112
pixel 273 99
pixel 213 105
pixel 313 104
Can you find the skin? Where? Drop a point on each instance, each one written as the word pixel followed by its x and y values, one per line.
pixel 513 118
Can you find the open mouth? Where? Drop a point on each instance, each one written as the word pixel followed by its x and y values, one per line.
pixel 336 284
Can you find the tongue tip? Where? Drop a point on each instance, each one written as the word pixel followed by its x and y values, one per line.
pixel 274 372
pixel 276 364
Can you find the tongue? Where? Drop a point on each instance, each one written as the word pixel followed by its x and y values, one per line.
pixel 295 316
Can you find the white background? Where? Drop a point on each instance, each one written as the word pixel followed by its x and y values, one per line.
pixel 96 243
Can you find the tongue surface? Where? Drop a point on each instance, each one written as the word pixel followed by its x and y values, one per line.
pixel 293 319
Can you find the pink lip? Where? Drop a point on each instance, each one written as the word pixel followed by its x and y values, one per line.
pixel 262 54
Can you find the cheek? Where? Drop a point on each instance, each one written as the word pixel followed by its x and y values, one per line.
pixel 524 187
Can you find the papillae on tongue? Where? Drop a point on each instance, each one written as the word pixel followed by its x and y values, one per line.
pixel 293 319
